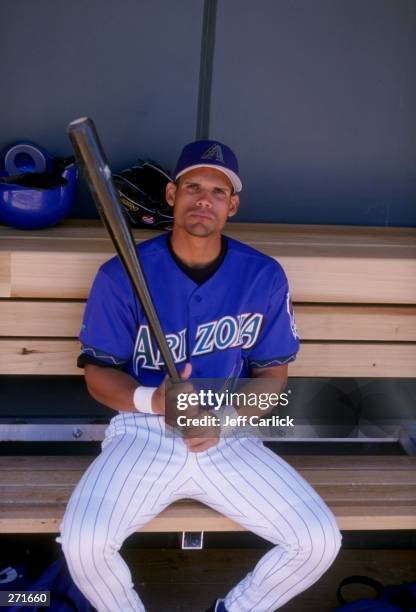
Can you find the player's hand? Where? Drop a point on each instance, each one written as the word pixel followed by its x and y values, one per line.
pixel 198 445
pixel 200 438
pixel 166 394
pixel 158 398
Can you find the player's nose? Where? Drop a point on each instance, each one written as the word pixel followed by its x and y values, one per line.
pixel 204 200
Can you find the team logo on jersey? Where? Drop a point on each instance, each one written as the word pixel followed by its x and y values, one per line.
pixel 214 152
pixel 145 356
pixel 291 314
pixel 228 332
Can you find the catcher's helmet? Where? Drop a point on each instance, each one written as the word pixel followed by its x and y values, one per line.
pixel 142 193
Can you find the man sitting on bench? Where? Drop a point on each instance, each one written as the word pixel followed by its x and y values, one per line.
pixel 225 309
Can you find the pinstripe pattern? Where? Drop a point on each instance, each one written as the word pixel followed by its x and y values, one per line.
pixel 99 513
pixel 141 471
pixel 267 491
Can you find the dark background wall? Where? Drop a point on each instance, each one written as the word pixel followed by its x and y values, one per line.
pixel 317 97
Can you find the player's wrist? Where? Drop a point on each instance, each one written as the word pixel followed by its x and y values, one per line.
pixel 142 399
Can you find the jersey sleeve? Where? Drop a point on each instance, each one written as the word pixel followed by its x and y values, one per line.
pixel 85 358
pixel 109 324
pixel 278 342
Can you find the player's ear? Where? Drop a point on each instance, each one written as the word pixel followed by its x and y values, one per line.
pixel 234 204
pixel 170 193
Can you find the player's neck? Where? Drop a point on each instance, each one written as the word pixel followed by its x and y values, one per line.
pixel 195 251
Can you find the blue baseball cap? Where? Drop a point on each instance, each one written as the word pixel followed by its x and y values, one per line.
pixel 207 154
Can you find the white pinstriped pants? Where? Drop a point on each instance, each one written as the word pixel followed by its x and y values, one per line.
pixel 141 471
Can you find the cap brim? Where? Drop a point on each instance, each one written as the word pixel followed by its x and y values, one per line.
pixel 235 180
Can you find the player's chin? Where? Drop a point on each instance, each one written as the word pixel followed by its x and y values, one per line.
pixel 201 228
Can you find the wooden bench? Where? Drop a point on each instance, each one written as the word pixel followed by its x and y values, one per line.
pixel 355 302
pixel 366 492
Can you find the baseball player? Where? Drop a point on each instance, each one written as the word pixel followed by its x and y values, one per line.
pixel 225 311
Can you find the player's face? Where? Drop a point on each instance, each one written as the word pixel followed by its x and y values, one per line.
pixel 202 201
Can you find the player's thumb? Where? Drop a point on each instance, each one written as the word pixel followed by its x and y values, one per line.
pixel 187 371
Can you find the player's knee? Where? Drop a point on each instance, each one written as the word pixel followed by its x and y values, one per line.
pixel 337 542
pixel 71 549
pixel 85 548
pixel 317 542
pixel 323 543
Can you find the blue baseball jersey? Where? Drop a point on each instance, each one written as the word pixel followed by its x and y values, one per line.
pixel 240 318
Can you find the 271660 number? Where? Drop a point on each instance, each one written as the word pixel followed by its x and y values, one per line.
pixel 25 598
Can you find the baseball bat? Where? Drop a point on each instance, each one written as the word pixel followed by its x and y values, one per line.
pixel 91 157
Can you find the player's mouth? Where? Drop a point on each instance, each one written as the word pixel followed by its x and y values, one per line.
pixel 201 216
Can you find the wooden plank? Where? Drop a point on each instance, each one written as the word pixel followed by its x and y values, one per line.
pixel 356 322
pixel 29 479
pixel 5 274
pixel 53 267
pixel 46 486
pixel 46 319
pixel 357 463
pixel 35 356
pixel 275 233
pixel 370 360
pixel 39 495
pixel 314 321
pixel 258 233
pixel 46 519
pixel 366 494
pixel 38 519
pixel 388 478
pixel 320 277
pixel 337 359
pixel 328 267
pixel 54 274
pixel 346 494
pixel 92 229
pixel 323 277
pixel 304 463
pixel 32 476
pixel 358 478
pixel 34 493
pixel 47 463
pixel 371 518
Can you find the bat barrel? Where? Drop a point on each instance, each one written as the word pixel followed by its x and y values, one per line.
pixel 91 157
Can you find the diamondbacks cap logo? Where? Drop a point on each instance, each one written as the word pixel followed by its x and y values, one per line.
pixel 214 152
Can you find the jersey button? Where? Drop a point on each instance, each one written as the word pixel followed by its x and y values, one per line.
pixel 198 298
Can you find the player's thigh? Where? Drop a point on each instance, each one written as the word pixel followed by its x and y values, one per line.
pixel 126 478
pixel 258 489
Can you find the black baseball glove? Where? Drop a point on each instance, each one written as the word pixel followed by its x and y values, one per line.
pixel 142 193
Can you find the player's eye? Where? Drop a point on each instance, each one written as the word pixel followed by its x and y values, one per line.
pixel 220 192
pixel 193 186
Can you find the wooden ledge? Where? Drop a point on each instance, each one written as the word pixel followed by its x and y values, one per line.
pixel 338 264
pixel 364 492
